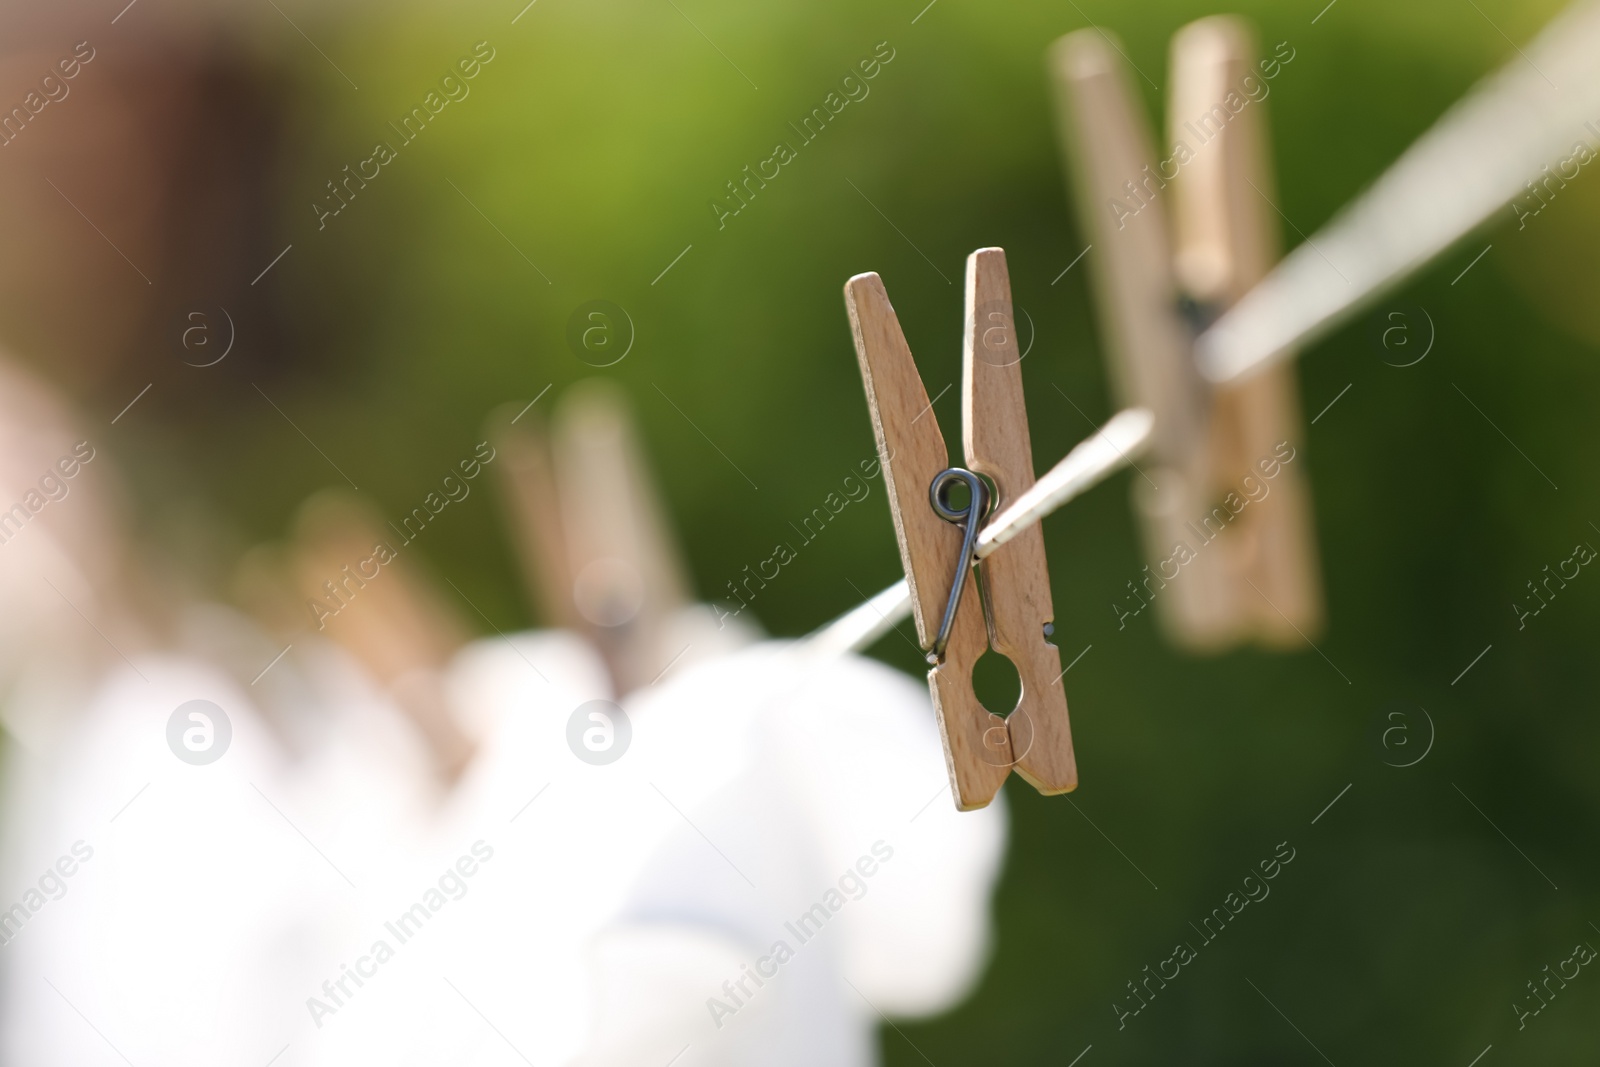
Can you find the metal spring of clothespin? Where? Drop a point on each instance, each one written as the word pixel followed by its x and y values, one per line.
pixel 971 517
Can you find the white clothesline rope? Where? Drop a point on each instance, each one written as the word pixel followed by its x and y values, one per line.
pixel 1516 130
pixel 1111 447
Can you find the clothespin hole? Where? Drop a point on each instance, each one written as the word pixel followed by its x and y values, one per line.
pixel 956 495
pixel 996 682
pixel 1199 314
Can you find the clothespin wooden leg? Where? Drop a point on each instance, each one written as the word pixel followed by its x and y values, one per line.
pixel 912 451
pixel 1016 577
pixel 629 581
pixel 1225 241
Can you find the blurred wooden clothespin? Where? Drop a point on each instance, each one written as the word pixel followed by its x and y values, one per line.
pixel 593 534
pixel 380 607
pixel 533 506
pixel 1225 507
pixel 1015 615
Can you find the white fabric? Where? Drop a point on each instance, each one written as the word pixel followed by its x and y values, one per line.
pixel 833 757
pixel 607 905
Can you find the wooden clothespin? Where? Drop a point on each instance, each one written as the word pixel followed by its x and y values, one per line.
pixel 377 603
pixel 595 539
pixel 1232 553
pixel 1015 615
pixel 528 490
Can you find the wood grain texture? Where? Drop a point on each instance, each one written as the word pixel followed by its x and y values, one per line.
pixel 911 450
pixel 1015 577
pixel 1226 240
pixel 1118 186
pixel 977 742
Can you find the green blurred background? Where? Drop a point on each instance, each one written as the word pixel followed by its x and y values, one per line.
pixel 594 142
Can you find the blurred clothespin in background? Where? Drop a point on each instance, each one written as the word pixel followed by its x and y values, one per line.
pixel 382 609
pixel 533 506
pixel 1224 455
pixel 1015 616
pixel 594 538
